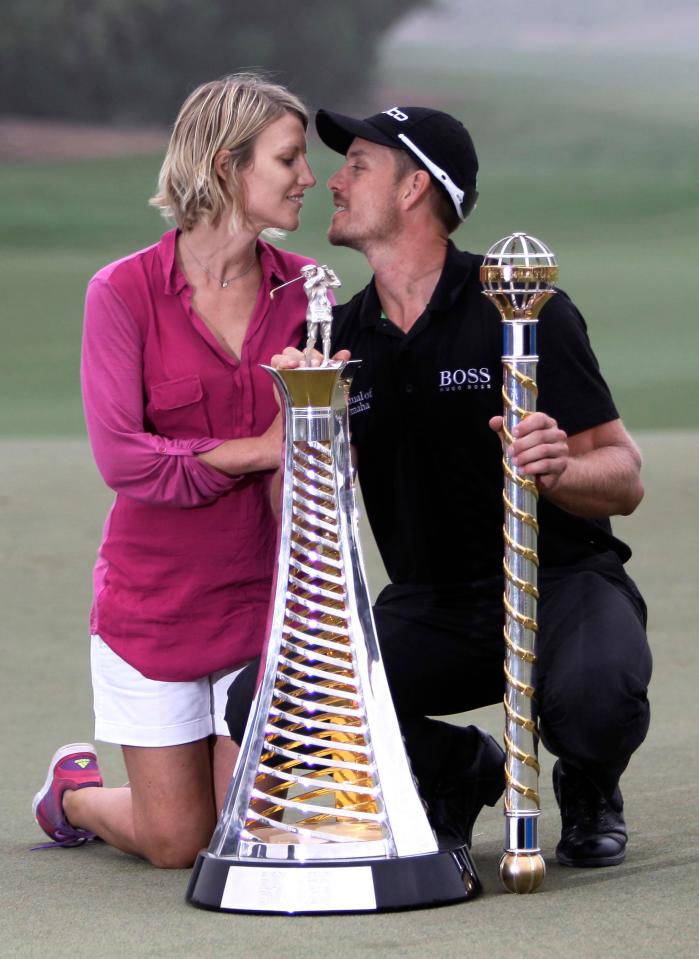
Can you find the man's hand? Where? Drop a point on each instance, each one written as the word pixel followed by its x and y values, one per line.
pixel 540 448
pixel 291 358
pixel 593 473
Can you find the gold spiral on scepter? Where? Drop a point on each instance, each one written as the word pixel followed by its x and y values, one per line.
pixel 520 587
pixel 520 872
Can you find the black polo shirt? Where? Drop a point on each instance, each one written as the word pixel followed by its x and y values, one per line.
pixel 429 466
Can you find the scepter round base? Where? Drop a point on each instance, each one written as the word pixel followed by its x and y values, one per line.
pixel 362 885
pixel 522 872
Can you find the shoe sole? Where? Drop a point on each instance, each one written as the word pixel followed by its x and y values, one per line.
pixel 496 787
pixel 496 756
pixel 597 863
pixel 56 758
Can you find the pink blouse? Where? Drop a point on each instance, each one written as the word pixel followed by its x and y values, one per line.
pixel 183 576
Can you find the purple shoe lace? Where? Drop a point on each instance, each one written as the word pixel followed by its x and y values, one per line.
pixel 67 837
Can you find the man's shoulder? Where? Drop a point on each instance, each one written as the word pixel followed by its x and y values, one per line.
pixel 353 306
pixel 465 256
pixel 560 320
pixel 348 317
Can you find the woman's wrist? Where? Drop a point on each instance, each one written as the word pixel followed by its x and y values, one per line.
pixel 253 454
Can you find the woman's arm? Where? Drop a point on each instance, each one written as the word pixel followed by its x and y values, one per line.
pixel 132 461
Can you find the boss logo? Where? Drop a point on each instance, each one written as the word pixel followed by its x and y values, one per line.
pixel 470 379
pixel 397 114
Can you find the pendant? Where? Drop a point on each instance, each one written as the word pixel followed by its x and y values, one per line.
pixel 224 285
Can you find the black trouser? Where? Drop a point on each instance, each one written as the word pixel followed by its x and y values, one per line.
pixel 443 652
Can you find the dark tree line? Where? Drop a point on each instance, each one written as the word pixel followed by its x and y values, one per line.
pixel 134 60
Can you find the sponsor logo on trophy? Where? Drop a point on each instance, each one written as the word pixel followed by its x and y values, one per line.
pixel 322 814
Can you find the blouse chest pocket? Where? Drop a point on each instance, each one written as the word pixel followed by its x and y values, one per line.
pixel 176 409
pixel 172 394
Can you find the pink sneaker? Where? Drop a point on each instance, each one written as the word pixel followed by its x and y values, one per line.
pixel 72 767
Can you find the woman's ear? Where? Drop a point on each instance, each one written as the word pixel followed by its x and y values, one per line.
pixel 222 163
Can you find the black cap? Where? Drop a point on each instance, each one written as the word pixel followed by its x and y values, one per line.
pixel 436 141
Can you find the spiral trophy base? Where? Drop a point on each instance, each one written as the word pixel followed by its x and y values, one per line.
pixel 323 814
pixel 306 888
pixel 522 872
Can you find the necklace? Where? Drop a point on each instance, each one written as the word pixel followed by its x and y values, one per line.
pixel 223 282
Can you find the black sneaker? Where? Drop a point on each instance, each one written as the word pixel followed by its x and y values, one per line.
pixel 456 802
pixel 593 829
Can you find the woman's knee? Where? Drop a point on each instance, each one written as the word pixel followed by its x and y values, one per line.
pixel 169 848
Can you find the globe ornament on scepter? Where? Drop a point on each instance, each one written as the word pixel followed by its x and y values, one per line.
pixel 518 274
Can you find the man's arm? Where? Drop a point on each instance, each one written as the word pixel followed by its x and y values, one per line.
pixel 595 473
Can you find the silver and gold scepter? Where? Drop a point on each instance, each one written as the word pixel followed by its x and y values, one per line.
pixel 518 274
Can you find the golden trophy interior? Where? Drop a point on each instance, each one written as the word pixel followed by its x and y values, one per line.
pixel 315 771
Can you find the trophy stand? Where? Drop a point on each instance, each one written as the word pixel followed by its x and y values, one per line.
pixel 518 274
pixel 322 814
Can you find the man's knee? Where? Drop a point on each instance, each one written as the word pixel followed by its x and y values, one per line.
pixel 240 697
pixel 595 666
pixel 600 715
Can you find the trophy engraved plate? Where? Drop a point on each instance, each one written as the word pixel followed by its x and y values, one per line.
pixel 518 274
pixel 302 890
pixel 322 814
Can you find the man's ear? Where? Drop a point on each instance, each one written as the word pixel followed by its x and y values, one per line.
pixel 416 185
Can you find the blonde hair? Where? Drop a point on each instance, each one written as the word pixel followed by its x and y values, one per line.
pixel 226 114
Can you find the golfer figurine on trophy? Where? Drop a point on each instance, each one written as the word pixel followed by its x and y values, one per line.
pixel 319 315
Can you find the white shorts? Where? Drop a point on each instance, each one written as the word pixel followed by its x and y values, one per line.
pixel 131 710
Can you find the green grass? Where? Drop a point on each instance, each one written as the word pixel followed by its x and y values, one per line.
pixel 594 158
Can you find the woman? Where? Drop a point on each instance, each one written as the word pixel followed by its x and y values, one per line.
pixel 185 428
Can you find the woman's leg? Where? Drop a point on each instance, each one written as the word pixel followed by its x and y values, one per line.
pixel 167 813
pixel 225 755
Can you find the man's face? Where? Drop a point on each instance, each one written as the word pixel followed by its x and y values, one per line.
pixel 365 194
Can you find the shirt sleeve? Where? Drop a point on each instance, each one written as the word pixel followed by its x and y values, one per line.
pixel 132 461
pixel 571 386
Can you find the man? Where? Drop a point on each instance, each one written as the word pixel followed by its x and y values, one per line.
pixel 427 439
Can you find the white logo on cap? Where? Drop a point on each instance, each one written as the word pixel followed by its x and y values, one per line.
pixel 397 114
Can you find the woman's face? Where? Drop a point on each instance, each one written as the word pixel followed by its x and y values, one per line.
pixel 278 175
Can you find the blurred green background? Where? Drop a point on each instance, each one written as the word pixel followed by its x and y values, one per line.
pixel 591 148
